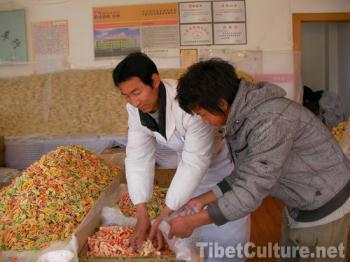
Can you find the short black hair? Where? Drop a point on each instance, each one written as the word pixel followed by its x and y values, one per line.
pixel 205 84
pixel 135 64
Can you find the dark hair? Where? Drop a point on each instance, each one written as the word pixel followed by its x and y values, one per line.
pixel 205 84
pixel 135 64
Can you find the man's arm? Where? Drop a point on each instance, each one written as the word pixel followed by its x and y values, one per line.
pixel 142 227
pixel 140 159
pixel 195 160
pixel 241 192
pixel 139 169
pixel 194 163
pixel 205 199
pixel 269 145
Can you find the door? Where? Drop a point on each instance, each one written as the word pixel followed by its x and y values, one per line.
pixel 322 41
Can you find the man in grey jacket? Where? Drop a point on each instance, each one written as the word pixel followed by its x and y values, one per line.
pixel 280 149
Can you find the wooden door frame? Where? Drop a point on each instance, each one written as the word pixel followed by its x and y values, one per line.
pixel 298 18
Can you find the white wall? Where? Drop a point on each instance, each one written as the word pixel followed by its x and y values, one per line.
pixel 269 26
pixel 319 6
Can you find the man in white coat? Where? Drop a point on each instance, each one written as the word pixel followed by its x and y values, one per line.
pixel 155 117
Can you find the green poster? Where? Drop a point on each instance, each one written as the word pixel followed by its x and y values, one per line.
pixel 13 42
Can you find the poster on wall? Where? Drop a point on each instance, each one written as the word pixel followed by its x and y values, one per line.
pixel 116 41
pixel 229 11
pixel 158 37
pixel 188 57
pixel 120 30
pixel 50 46
pixel 13 40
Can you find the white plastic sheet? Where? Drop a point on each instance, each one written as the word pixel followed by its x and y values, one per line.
pixel 21 152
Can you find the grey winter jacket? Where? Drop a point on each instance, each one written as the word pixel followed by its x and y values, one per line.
pixel 280 149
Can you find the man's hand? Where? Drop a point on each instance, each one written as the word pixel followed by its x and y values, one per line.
pixel 180 227
pixel 142 227
pixel 183 226
pixel 155 232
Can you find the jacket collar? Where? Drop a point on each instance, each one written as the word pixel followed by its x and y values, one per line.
pixel 148 121
pixel 248 97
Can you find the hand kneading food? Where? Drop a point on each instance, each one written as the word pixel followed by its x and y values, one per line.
pixel 115 241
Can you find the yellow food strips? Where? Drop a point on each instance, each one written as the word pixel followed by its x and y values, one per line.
pixel 154 207
pixel 339 130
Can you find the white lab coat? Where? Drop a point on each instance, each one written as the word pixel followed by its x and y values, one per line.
pixel 203 161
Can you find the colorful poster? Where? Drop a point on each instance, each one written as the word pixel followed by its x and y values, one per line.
pixel 13 39
pixel 50 46
pixel 195 12
pixel 116 41
pixel 196 34
pixel 123 29
pixel 229 11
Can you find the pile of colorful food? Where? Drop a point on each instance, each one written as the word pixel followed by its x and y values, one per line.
pixel 114 241
pixel 51 197
pixel 154 207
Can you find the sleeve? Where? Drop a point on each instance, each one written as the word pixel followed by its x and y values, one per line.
pixel 194 163
pixel 140 159
pixel 269 145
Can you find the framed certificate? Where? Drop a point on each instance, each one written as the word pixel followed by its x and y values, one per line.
pixel 196 34
pixel 229 11
pixel 230 34
pixel 195 12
